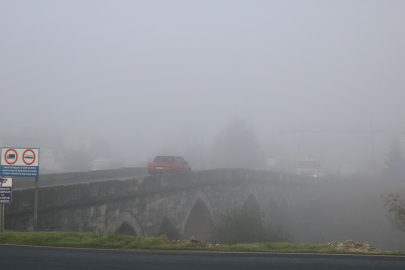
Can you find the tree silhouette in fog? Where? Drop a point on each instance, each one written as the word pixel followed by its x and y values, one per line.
pixel 396 211
pixel 237 146
pixel 394 157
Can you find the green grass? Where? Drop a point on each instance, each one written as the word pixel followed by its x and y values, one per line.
pixel 92 240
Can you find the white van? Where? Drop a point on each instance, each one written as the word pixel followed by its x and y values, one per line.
pixel 347 171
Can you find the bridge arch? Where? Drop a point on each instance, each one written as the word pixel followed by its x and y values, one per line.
pixel 199 217
pixel 285 204
pixel 122 223
pixel 252 196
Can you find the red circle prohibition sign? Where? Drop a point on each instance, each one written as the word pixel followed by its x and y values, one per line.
pixel 33 160
pixel 16 156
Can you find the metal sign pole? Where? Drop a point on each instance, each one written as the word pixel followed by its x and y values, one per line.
pixel 36 205
pixel 1 218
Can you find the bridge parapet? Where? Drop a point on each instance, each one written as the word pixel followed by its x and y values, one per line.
pixel 77 177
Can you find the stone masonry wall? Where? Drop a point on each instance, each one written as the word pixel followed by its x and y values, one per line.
pixel 143 202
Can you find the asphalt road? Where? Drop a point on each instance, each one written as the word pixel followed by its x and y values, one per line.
pixel 31 257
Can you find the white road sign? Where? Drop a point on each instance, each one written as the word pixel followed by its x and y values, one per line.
pixel 19 156
pixel 23 162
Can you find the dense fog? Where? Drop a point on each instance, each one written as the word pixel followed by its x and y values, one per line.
pixel 255 84
pixel 142 75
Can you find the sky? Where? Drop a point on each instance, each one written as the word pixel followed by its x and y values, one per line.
pixel 139 73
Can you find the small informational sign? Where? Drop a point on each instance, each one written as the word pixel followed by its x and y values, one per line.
pixel 21 162
pixel 6 190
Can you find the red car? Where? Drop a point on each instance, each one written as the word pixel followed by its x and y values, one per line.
pixel 168 164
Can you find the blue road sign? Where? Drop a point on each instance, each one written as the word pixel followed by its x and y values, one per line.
pixel 6 190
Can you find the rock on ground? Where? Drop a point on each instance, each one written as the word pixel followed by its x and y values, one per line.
pixel 192 240
pixel 351 245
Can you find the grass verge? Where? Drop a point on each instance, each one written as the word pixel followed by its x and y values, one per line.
pixel 92 240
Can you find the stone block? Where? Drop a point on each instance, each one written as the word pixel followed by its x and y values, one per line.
pixel 103 208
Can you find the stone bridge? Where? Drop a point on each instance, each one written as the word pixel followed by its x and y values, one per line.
pixel 180 205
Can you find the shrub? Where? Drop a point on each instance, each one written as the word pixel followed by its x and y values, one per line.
pixel 245 225
pixel 396 211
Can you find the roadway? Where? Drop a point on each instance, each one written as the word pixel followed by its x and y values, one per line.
pixel 80 182
pixel 34 257
pixel 49 180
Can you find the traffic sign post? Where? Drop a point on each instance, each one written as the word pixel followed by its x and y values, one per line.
pixel 1 218
pixel 36 205
pixel 19 162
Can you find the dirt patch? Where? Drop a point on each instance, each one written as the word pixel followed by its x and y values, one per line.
pixel 192 240
pixel 352 246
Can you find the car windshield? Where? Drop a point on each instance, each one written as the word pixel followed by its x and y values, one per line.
pixel 165 159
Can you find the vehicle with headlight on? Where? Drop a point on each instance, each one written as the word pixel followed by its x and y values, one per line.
pixel 347 171
pixel 168 164
pixel 307 165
